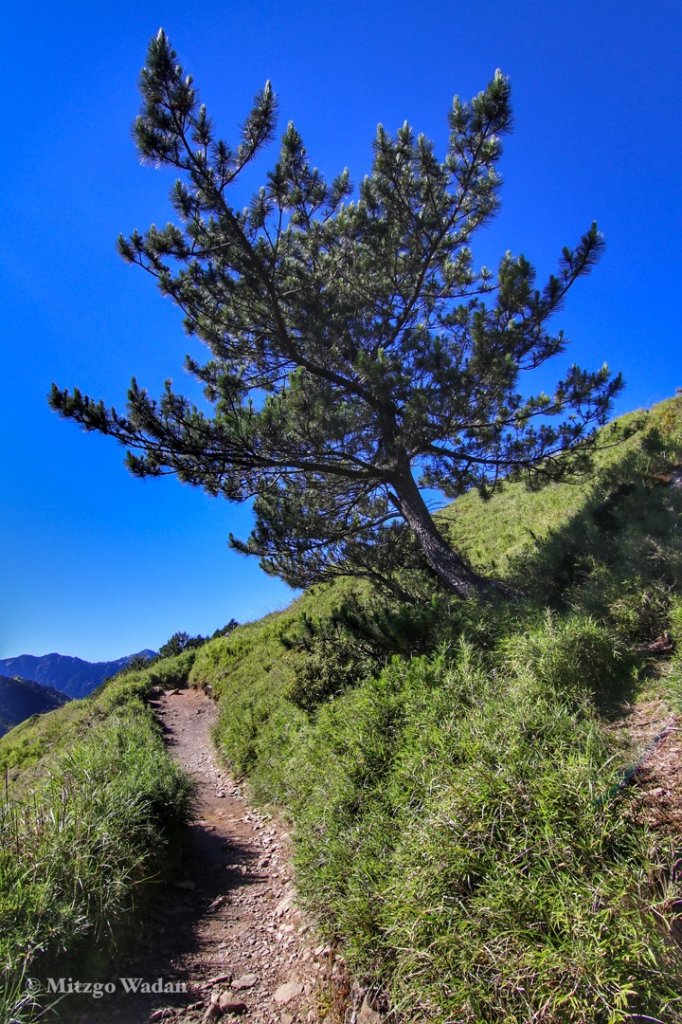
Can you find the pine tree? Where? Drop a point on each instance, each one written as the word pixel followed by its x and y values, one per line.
pixel 357 356
pixel 179 642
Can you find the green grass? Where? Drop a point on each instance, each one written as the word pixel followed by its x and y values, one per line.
pixel 88 822
pixel 494 533
pixel 25 746
pixel 450 829
pixel 458 825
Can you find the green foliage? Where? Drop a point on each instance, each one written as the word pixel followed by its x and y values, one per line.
pixel 26 744
pixel 75 854
pixel 87 825
pixel 178 643
pixel 609 545
pixel 172 672
pixel 226 629
pixel 457 820
pixel 565 653
pixel 449 807
pixel 675 619
pixel 445 764
pixel 137 663
pixel 450 831
pixel 358 637
pixel 381 360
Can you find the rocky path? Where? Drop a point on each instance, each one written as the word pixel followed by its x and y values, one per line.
pixel 228 933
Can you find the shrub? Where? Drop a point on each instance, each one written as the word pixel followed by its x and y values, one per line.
pixel 449 830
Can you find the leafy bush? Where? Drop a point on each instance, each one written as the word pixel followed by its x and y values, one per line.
pixel 572 656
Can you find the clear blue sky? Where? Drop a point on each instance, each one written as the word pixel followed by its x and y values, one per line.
pixel 97 564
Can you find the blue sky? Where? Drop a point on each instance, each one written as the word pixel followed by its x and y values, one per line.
pixel 97 564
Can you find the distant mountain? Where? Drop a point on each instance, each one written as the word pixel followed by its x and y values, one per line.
pixel 21 698
pixel 73 676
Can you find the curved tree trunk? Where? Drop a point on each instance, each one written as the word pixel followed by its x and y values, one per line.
pixel 450 568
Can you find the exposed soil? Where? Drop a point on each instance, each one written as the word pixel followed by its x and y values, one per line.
pixel 656 735
pixel 653 734
pixel 650 734
pixel 228 931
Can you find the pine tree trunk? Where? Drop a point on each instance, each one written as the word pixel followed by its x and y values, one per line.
pixel 451 570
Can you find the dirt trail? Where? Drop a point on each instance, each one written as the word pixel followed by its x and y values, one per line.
pixel 228 930
pixel 655 735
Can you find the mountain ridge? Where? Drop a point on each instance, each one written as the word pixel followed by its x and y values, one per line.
pixel 21 698
pixel 66 673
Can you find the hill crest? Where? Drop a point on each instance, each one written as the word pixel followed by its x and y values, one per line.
pixel 22 698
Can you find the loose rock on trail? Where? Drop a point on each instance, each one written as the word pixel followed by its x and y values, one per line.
pixel 227 930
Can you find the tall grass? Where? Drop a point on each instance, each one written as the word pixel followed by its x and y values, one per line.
pixel 78 852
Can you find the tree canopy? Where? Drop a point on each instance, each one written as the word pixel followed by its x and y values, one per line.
pixel 357 354
pixel 179 642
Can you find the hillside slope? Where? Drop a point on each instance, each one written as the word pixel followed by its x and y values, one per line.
pixel 462 781
pixel 89 824
pixel 21 698
pixel 452 770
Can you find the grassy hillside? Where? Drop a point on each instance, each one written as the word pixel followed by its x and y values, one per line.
pixel 91 809
pixel 22 698
pixel 458 820
pixel 453 770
